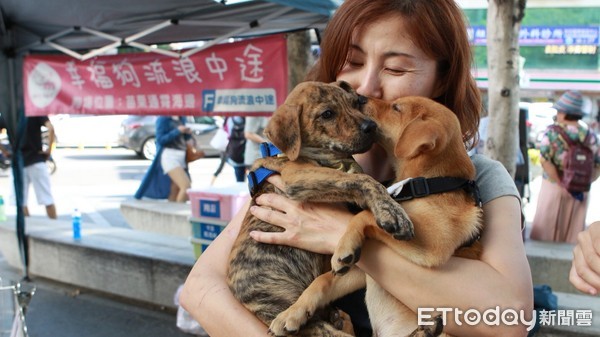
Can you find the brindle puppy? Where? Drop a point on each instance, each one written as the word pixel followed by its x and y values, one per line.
pixel 425 139
pixel 318 128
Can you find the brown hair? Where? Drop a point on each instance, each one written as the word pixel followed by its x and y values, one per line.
pixel 437 27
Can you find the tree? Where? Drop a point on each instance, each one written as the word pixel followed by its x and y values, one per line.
pixel 503 23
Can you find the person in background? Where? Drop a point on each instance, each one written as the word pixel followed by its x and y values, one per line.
pixel 585 267
pixel 35 170
pixel 234 152
pixel 253 132
pixel 168 177
pixel 560 214
pixel 389 49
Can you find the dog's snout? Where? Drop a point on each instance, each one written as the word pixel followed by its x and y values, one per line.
pixel 368 126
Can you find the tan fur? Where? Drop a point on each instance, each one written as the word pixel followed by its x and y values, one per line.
pixel 425 139
pixel 319 127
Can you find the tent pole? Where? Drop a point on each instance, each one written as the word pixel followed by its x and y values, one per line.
pixel 17 164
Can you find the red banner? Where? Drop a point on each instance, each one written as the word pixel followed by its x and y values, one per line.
pixel 246 77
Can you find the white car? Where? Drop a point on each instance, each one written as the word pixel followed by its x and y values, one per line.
pixel 87 130
pixel 539 116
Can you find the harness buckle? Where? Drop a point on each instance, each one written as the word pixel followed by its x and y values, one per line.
pixel 419 187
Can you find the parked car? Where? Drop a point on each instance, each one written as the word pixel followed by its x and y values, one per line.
pixel 138 133
pixel 86 130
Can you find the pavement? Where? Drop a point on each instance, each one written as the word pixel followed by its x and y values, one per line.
pixel 59 310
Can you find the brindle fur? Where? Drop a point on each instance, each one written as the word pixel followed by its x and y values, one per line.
pixel 319 127
pixel 425 139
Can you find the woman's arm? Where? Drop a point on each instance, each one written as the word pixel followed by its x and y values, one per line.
pixel 501 278
pixel 550 170
pixel 207 297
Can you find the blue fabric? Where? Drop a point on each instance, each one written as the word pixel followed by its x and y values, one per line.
pixel 156 184
pixel 167 131
pixel 543 299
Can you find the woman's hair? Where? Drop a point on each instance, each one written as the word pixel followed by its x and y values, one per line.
pixel 573 117
pixel 437 27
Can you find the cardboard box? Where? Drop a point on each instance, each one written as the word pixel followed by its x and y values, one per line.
pixel 219 203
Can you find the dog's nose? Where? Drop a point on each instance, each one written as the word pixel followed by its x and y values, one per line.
pixel 368 126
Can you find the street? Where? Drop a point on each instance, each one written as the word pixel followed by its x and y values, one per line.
pixel 97 180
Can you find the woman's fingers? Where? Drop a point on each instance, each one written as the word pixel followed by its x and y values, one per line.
pixel 585 270
pixel 579 283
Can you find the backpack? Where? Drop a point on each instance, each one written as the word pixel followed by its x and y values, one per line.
pixel 237 140
pixel 578 164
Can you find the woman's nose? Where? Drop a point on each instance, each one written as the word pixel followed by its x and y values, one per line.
pixel 370 85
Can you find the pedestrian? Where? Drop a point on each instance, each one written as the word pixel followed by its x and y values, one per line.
pixel 389 49
pixel 234 152
pixel 253 131
pixel 168 176
pixel 560 213
pixel 35 170
pixel 585 267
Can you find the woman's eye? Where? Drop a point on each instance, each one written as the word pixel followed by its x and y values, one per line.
pixel 327 114
pixel 396 71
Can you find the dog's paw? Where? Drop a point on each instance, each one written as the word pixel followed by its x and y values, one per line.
pixel 434 328
pixel 344 257
pixel 392 218
pixel 341 321
pixel 290 321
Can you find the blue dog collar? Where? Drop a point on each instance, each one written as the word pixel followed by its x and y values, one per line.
pixel 269 150
pixel 257 177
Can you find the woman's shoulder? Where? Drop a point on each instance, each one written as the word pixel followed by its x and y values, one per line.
pixel 493 179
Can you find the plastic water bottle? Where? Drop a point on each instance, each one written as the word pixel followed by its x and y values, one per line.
pixel 76 217
pixel 2 210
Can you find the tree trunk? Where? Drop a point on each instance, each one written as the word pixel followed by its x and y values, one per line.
pixel 299 57
pixel 503 24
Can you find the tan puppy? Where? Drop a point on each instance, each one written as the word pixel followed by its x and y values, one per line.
pixel 318 129
pixel 425 139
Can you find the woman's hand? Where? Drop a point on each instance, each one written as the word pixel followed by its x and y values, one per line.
pixel 315 227
pixel 184 129
pixel 585 269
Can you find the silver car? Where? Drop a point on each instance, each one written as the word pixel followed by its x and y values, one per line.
pixel 138 134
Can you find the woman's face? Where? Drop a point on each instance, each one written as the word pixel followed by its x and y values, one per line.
pixel 384 63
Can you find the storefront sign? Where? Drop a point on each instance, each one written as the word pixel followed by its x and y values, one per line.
pixel 544 35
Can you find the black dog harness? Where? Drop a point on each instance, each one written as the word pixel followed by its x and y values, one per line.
pixel 421 187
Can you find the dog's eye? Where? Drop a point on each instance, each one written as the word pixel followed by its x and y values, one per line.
pixel 327 114
pixel 396 107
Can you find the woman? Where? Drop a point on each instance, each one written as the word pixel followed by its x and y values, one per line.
pixel 560 214
pixel 394 49
pixel 167 177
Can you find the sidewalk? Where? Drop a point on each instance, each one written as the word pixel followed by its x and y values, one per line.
pixel 58 310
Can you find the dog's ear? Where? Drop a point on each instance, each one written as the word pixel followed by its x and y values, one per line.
pixel 419 137
pixel 283 130
pixel 346 86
